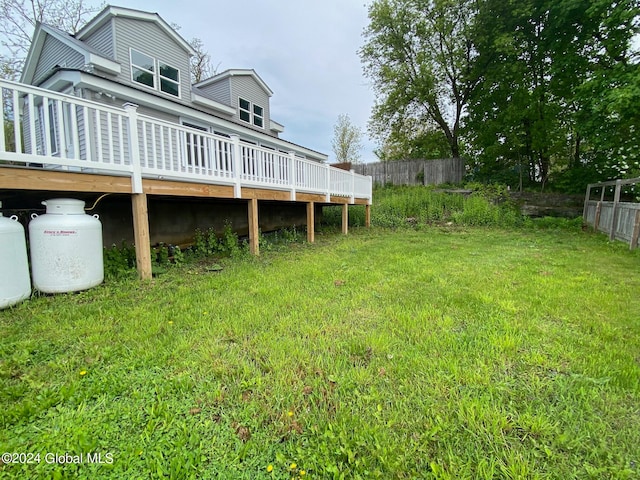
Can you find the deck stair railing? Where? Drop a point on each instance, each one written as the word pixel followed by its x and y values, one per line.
pixel 58 131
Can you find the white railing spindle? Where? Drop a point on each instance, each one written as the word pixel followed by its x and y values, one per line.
pixel 98 129
pixel 17 135
pixel 47 126
pixel 32 124
pixel 110 138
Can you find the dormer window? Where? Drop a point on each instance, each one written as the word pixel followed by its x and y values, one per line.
pixel 154 74
pixel 258 118
pixel 245 110
pixel 251 113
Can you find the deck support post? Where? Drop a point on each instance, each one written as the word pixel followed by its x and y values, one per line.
pixel 254 231
pixel 141 235
pixel 311 220
pixel 345 218
pixel 367 215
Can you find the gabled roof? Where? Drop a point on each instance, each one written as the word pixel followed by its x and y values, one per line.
pixel 91 55
pixel 111 11
pixel 233 73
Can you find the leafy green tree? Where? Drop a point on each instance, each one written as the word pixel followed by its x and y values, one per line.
pixel 514 119
pixel 413 139
pixel 559 90
pixel 347 140
pixel 608 117
pixel 419 55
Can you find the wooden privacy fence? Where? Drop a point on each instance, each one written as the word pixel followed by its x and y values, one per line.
pixel 414 172
pixel 620 219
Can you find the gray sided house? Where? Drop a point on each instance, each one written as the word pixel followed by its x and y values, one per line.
pixel 129 56
pixel 113 110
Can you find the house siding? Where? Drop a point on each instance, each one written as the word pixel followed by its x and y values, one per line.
pixel 246 87
pixel 167 117
pixel 219 91
pixel 102 40
pixel 150 39
pixel 55 53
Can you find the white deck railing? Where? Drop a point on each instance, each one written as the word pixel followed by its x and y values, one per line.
pixel 57 131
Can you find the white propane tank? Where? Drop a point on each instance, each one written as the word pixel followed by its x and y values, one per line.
pixel 66 247
pixel 15 284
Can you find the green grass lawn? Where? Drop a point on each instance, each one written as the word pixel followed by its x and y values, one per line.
pixel 432 353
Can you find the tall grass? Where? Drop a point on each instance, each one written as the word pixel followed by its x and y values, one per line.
pixel 397 206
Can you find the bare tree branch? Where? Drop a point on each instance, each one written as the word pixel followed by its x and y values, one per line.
pixel 18 19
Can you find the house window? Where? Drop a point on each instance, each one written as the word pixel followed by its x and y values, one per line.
pixel 258 116
pixel 251 113
pixel 155 74
pixel 143 68
pixel 169 80
pixel 245 110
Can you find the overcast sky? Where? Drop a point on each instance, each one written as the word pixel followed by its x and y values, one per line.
pixel 305 50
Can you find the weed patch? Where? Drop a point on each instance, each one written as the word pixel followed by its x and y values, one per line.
pixel 418 206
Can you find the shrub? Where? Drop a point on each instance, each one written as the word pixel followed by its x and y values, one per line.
pixel 119 261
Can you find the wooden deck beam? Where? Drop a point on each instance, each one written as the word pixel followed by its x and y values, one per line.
pixel 185 189
pixel 12 178
pixel 338 200
pixel 266 194
pixel 26 178
pixel 310 197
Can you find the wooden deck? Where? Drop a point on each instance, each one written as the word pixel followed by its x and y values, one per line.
pixel 55 142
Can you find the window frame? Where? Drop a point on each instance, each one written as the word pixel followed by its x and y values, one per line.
pixel 259 116
pixel 255 119
pixel 242 110
pixel 159 79
pixel 165 78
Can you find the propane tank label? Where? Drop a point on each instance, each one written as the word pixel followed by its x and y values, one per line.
pixel 61 233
